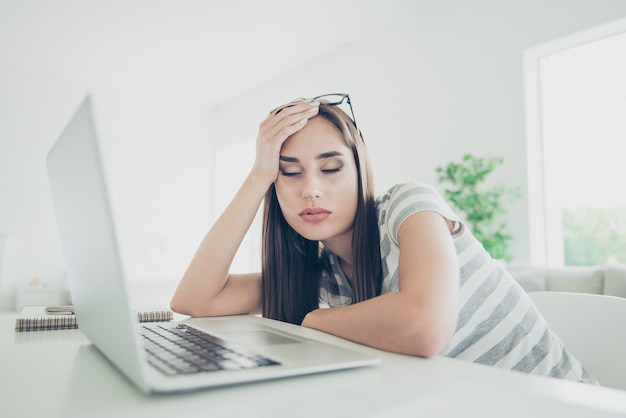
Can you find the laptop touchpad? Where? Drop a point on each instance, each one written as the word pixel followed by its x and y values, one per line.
pixel 261 337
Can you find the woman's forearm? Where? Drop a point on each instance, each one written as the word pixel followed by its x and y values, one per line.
pixel 391 322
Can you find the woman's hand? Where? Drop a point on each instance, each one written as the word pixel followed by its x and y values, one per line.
pixel 283 122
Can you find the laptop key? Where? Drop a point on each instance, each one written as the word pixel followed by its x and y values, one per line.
pixel 185 350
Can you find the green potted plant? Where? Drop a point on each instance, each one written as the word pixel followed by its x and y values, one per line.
pixel 481 207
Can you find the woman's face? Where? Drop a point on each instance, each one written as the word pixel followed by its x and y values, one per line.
pixel 317 182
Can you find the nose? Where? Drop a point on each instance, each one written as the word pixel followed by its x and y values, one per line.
pixel 311 189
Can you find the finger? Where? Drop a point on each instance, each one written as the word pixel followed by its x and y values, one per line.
pixel 292 103
pixel 288 115
pixel 292 109
pixel 290 124
pixel 286 131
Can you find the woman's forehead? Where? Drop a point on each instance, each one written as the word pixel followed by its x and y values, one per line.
pixel 318 136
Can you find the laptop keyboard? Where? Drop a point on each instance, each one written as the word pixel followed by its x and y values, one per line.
pixel 180 349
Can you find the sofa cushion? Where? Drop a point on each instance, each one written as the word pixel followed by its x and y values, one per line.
pixel 615 280
pixel 576 279
pixel 532 279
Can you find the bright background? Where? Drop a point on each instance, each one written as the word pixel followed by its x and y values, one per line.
pixel 176 83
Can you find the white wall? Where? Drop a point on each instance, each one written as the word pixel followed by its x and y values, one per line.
pixel 426 93
pixel 33 110
pixel 157 157
pixel 157 153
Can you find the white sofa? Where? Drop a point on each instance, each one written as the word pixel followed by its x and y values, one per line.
pixel 602 280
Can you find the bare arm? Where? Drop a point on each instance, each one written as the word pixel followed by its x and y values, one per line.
pixel 207 288
pixel 421 318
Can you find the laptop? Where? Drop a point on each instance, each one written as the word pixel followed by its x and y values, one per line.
pixel 271 349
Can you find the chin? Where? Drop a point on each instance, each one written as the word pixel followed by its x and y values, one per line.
pixel 313 236
pixel 312 233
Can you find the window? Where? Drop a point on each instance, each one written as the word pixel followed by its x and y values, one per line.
pixel 576 106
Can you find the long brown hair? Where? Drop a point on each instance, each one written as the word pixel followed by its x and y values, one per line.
pixel 292 265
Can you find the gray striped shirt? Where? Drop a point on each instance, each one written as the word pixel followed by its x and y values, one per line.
pixel 497 323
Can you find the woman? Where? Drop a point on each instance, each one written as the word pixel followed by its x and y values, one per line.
pixel 400 273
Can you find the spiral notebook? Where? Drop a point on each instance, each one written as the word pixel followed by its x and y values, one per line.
pixel 36 318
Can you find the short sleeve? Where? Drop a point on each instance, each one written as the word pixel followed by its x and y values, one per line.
pixel 404 200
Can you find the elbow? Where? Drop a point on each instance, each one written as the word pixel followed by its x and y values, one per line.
pixel 184 309
pixel 186 302
pixel 431 339
pixel 177 306
pixel 196 308
pixel 181 306
pixel 429 344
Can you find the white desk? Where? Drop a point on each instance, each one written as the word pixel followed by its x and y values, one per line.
pixel 60 374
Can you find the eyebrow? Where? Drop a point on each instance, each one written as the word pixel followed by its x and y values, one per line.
pixel 329 154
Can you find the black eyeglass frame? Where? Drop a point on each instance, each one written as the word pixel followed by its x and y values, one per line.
pixel 341 97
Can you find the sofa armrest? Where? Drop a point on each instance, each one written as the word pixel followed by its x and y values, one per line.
pixel 615 280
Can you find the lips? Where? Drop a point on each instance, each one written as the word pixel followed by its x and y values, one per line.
pixel 314 214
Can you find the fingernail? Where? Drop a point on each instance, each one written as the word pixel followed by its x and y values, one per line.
pixel 314 109
pixel 316 104
pixel 303 121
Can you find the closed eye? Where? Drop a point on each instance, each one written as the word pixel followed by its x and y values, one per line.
pixel 332 167
pixel 289 173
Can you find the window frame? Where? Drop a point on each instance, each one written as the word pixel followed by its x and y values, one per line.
pixel 545 248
